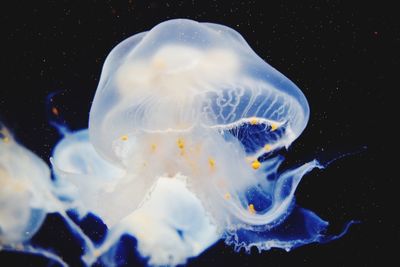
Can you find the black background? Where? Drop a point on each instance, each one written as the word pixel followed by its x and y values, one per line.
pixel 341 55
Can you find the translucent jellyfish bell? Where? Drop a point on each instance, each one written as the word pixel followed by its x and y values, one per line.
pixel 184 74
pixel 186 97
pixel 25 191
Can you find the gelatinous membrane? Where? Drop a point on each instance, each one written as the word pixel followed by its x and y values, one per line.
pixel 193 98
pixel 183 148
pixel 24 191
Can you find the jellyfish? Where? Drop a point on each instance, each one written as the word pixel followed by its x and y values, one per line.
pixel 25 196
pixel 24 180
pixel 183 148
pixel 194 120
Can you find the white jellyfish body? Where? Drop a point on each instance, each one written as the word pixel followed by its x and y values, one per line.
pixel 169 220
pixel 183 74
pixel 170 225
pixel 24 191
pixel 86 181
pixel 175 100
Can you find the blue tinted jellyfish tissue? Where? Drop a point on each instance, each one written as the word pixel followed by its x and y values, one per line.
pixel 183 149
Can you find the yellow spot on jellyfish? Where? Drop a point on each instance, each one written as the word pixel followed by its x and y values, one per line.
pixel 267 147
pixel 181 143
pixel 4 135
pixel 255 164
pixel 253 121
pixel 124 138
pixel 211 162
pixel 251 209
pixel 227 196
pixel 274 126
pixel 153 147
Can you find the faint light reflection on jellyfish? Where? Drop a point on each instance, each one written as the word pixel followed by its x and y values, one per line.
pixel 183 149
